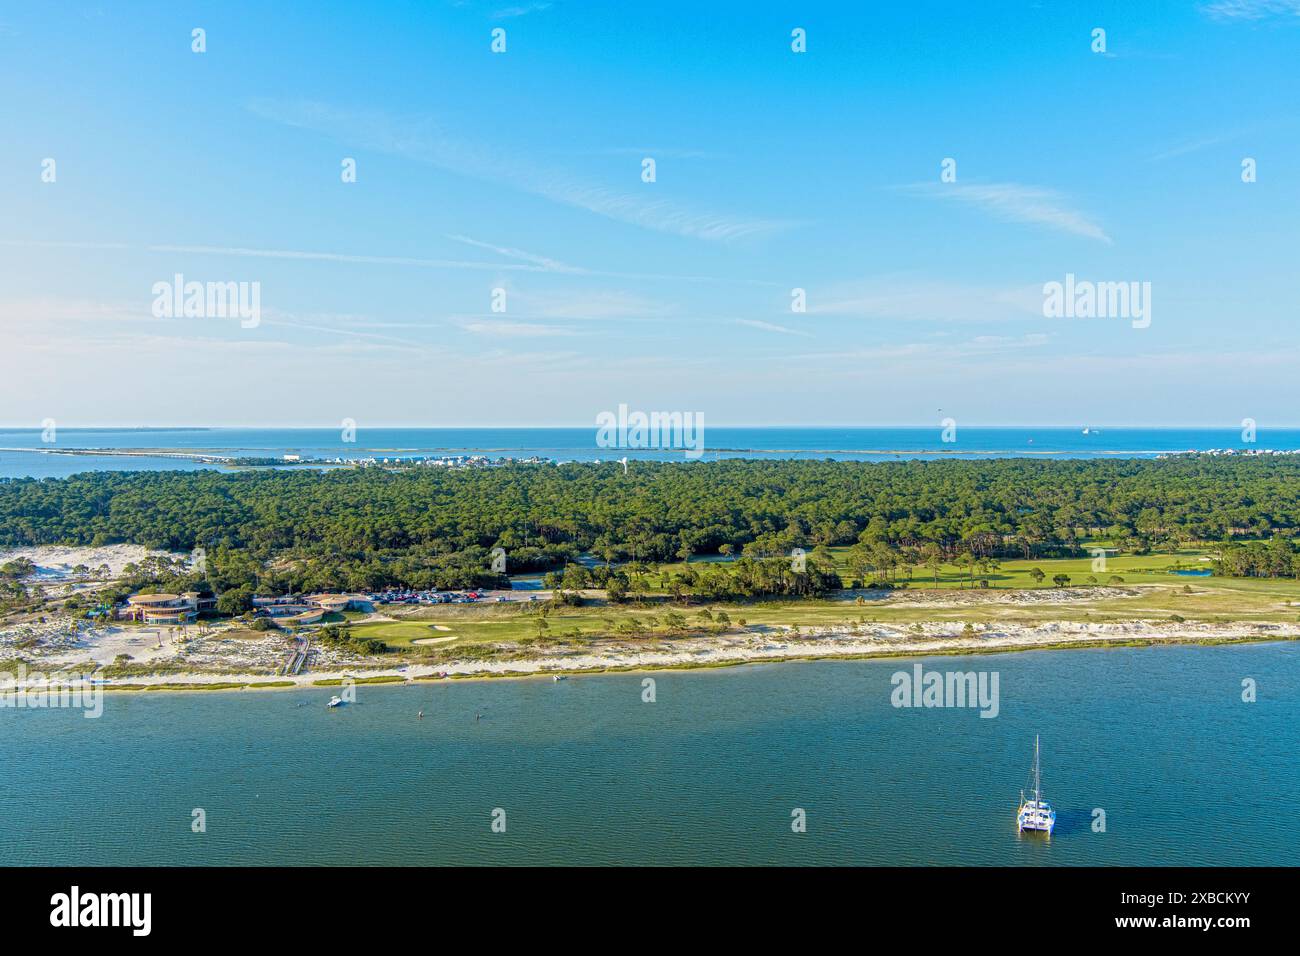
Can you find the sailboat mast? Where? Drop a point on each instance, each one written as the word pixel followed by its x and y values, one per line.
pixel 1037 794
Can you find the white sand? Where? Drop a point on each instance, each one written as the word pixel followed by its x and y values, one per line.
pixel 55 562
pixel 143 645
pixel 252 661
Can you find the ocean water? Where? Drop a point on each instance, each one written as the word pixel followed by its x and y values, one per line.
pixel 586 772
pixel 579 444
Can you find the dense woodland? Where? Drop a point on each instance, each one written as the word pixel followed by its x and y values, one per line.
pixel 420 527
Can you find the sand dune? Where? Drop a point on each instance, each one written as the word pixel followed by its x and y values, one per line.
pixel 55 562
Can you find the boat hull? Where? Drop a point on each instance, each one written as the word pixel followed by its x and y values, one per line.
pixel 1035 828
pixel 1036 818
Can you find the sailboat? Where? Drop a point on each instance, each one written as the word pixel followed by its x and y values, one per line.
pixel 1036 814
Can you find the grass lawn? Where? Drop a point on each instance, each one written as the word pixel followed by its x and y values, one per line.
pixel 496 623
pixel 1162 595
pixel 1014 574
pixel 401 634
pixel 243 634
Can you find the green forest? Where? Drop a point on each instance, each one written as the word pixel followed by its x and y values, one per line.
pixel 366 528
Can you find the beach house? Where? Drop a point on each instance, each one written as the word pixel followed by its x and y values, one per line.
pixel 167 608
pixel 302 609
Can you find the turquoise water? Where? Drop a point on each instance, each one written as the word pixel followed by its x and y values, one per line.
pixel 709 773
pixel 579 444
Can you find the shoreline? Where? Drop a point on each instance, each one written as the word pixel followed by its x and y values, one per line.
pixel 544 667
pixel 226 457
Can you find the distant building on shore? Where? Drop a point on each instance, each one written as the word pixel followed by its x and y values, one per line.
pixel 299 609
pixel 336 603
pixel 167 608
pixel 185 608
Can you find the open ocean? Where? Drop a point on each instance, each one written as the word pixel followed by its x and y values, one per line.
pixel 579 444
pixel 585 772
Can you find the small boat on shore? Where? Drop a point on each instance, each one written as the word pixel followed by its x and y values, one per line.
pixel 1035 814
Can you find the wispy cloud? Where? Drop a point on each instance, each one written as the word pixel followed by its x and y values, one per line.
pixel 1015 202
pixel 500 328
pixel 530 264
pixel 1192 146
pixel 106 322
pixel 525 261
pixel 592 304
pixel 61 244
pixel 947 354
pixel 1251 9
pixel 305 323
pixel 550 265
pixel 1222 136
pixel 316 256
pixel 520 10
pixel 657 153
pixel 45 312
pixel 927 299
pixel 769 327
pixel 423 141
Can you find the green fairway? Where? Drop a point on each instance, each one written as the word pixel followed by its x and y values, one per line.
pixel 1015 574
pixel 1149 591
pixel 514 623
pixel 399 634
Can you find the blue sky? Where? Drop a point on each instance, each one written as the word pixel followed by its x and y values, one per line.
pixel 774 171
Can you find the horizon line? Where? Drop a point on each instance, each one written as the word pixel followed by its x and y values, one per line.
pixel 319 427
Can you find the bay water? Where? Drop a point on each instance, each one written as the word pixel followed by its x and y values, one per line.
pixel 585 771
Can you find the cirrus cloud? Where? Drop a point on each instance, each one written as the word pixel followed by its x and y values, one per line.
pixel 1016 202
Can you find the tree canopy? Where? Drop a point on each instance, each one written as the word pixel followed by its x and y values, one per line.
pixel 422 527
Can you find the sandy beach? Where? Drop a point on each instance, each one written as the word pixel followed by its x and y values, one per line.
pixel 220 660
